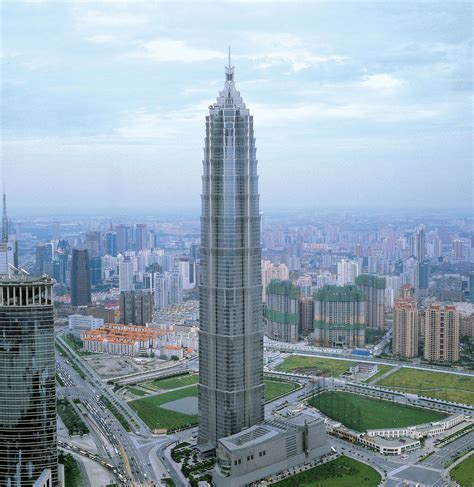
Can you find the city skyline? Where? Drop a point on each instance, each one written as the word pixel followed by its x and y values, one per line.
pixel 378 122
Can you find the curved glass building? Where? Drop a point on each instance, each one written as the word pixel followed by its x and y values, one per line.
pixel 27 381
pixel 231 327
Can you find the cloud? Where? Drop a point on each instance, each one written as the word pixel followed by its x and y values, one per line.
pixel 381 82
pixel 171 50
pixel 97 18
pixel 276 49
pixel 102 39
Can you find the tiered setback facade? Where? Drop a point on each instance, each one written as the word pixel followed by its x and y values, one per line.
pixel 231 328
pixel 28 442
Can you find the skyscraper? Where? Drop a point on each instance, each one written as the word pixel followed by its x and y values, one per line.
pixel 168 289
pixel 136 307
pixel 111 243
pixel 80 278
pixel 126 274
pixel 8 243
pixel 347 271
pixel 27 381
pixel 231 328
pixel 306 315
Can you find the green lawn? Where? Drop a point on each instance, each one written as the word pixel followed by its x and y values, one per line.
pixel 136 391
pixel 342 472
pixel 463 473
pixel 320 366
pixel 381 369
pixel 173 382
pixel 362 413
pixel 275 388
pixel 440 385
pixel 156 417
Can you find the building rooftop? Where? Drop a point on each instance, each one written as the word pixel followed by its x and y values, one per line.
pixel 339 293
pixel 21 278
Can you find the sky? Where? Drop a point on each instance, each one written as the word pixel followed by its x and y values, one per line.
pixel 356 104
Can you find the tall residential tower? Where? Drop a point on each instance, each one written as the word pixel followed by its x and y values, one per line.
pixel 231 328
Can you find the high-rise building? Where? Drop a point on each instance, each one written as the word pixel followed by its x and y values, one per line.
pixel 305 283
pixel 441 324
pixel 92 243
pixel 231 329
pixel 40 259
pixel 8 243
pixel 27 381
pixel 418 243
pixel 471 286
pixel 95 267
pixel 405 326
pixel 306 316
pixel 141 236
pixel 62 252
pixel 272 271
pixel 374 288
pixel 168 289
pixel 281 316
pixel 340 316
pixel 80 278
pixel 187 271
pixel 126 272
pixel 124 234
pixel 111 243
pixel 136 307
pixel 458 249
pixel 347 271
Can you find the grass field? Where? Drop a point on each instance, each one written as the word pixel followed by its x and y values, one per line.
pixel 342 472
pixel 173 382
pixel 136 391
pixel 320 366
pixel 440 385
pixel 381 369
pixel 156 417
pixel 362 413
pixel 463 473
pixel 274 388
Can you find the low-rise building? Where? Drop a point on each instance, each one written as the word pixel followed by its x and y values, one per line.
pixel 79 323
pixel 268 448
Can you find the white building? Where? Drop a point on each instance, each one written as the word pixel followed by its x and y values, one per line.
pixel 126 271
pixel 347 271
pixel 187 271
pixel 78 323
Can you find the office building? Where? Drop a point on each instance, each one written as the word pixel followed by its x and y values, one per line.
pixel 126 273
pixel 27 380
pixel 281 316
pixel 457 249
pixel 347 271
pixel 405 327
pixel 340 317
pixel 231 329
pixel 374 288
pixel 441 324
pixel 8 244
pixel 272 271
pixel 62 255
pixel 80 278
pixel 268 448
pixel 136 307
pixel 95 267
pixel 306 316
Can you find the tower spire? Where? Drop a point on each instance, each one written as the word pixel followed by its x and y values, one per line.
pixel 4 219
pixel 229 70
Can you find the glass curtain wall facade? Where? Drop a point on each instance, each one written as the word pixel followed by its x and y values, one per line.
pixel 27 381
pixel 231 323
